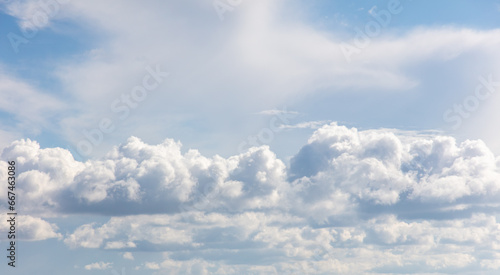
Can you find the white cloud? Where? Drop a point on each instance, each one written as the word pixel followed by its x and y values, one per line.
pixel 380 166
pixel 346 195
pixel 280 59
pixel 128 256
pixel 306 125
pixel 32 15
pixel 30 108
pixel 120 245
pixel 98 266
pixel 338 169
pixel 45 172
pixel 149 177
pixel 491 264
pixel 154 229
pixel 86 236
pixel 351 201
pixel 151 265
pixel 30 228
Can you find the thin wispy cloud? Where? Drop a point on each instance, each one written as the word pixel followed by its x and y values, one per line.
pixel 305 125
pixel 273 112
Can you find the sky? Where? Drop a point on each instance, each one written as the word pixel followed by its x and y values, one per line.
pixel 251 137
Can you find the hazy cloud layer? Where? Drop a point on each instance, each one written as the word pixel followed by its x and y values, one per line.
pixel 283 61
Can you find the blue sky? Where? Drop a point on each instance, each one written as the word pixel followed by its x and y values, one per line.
pixel 252 137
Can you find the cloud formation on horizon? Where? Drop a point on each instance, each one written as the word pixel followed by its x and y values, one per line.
pixel 350 201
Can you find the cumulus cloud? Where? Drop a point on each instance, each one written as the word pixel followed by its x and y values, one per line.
pixel 151 265
pixel 98 266
pixel 31 228
pixel 340 168
pixel 384 169
pixel 151 178
pixel 128 256
pixel 154 229
pixel 350 201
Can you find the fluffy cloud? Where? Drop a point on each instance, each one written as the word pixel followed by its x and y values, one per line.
pixel 151 265
pixel 340 169
pixel 98 266
pixel 350 202
pixel 153 229
pixel 128 256
pixel 30 228
pixel 148 178
pixel 383 168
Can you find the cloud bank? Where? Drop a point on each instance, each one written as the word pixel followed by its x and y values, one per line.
pixel 350 201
